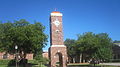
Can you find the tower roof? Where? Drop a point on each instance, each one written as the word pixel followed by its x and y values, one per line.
pixel 56 13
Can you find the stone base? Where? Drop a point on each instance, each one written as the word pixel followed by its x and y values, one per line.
pixel 58 53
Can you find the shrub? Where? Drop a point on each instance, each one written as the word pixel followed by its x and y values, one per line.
pixel 12 62
pixel 4 62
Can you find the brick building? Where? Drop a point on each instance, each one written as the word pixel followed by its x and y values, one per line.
pixel 116 50
pixel 45 54
pixel 3 55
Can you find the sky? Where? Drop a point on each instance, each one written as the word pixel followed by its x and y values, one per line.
pixel 79 16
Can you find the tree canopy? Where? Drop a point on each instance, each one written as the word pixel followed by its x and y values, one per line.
pixel 30 38
pixel 70 43
pixel 90 45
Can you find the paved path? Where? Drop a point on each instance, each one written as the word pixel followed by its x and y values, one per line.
pixel 115 64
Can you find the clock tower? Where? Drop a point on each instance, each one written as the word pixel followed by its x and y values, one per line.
pixel 57 50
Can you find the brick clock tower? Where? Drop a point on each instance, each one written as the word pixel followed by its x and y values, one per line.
pixel 57 50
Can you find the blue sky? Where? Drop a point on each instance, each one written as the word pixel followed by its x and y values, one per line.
pixel 79 16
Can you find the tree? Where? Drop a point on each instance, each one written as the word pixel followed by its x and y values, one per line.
pixel 87 45
pixel 71 51
pixel 116 41
pixel 93 45
pixel 30 38
pixel 104 50
pixel 4 34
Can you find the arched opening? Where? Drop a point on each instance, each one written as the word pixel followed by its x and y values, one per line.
pixel 59 60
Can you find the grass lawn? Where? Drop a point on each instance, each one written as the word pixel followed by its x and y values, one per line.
pixel 89 65
pixel 31 63
pixel 69 65
pixel 13 66
pixel 6 66
pixel 21 66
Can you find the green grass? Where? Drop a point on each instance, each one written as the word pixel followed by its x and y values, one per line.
pixel 21 66
pixel 88 65
pixel 4 63
pixel 79 65
pixel 6 66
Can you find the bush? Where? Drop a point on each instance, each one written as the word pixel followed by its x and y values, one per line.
pixel 4 62
pixel 12 62
pixel 23 61
pixel 40 59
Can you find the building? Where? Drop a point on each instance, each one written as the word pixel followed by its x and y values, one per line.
pixel 116 49
pixel 45 54
pixel 4 55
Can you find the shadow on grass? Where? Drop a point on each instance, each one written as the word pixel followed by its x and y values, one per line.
pixel 26 65
pixel 47 65
pixel 22 63
pixel 30 65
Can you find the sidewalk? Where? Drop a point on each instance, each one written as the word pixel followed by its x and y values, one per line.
pixel 114 64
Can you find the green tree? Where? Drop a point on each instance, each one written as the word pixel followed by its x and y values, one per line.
pixel 40 60
pixel 104 50
pixel 116 41
pixel 94 45
pixel 3 34
pixel 71 51
pixel 87 44
pixel 30 38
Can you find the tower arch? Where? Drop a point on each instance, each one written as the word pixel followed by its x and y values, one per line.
pixel 59 59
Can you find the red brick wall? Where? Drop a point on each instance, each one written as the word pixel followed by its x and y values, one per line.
pixel 29 56
pixel 12 56
pixel 56 37
pixel 9 56
pixel 45 55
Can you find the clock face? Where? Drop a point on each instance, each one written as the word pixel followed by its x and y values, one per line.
pixel 56 22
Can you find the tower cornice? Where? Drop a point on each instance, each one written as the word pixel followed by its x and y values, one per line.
pixel 56 13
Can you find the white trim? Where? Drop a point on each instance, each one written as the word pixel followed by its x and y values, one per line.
pixel 56 14
pixel 58 46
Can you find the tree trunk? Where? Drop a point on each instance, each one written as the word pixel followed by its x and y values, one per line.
pixel 83 60
pixel 73 60
pixel 69 58
pixel 80 57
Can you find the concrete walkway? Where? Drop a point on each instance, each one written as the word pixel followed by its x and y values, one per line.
pixel 114 64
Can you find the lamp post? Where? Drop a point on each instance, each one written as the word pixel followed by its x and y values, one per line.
pixel 16 47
